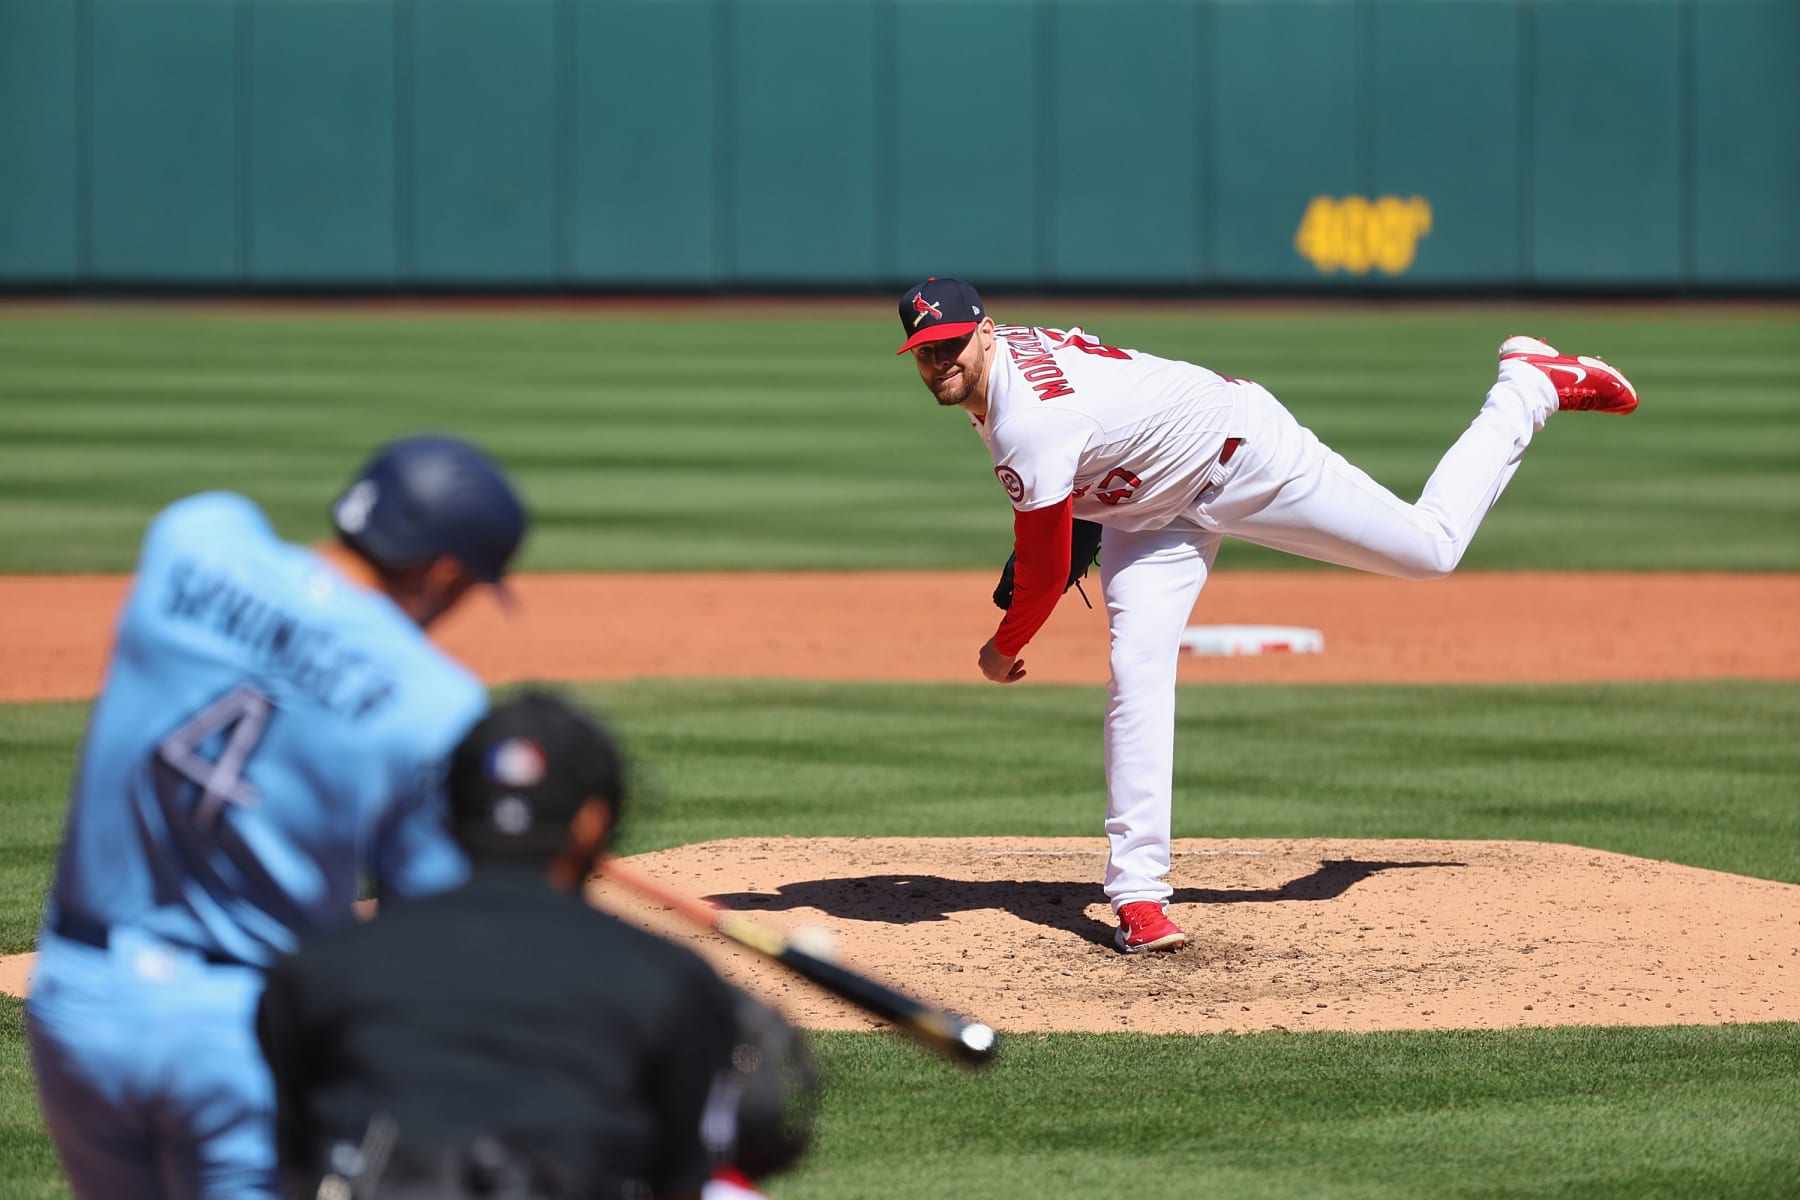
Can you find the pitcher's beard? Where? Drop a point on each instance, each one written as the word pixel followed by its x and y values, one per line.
pixel 953 394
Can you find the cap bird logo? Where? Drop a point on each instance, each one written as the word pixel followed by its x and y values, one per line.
pixel 925 308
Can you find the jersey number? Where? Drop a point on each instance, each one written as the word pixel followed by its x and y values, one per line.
pixel 1086 345
pixel 199 772
pixel 240 715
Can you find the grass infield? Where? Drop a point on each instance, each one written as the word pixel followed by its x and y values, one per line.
pixel 1674 1112
pixel 1697 773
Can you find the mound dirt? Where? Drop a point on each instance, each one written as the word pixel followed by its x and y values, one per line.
pixel 1294 935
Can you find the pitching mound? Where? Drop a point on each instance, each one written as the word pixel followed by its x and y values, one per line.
pixel 1315 934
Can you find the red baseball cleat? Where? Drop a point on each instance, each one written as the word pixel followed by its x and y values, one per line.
pixel 1582 384
pixel 1145 926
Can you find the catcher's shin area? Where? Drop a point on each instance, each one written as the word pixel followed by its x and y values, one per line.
pixel 967 1042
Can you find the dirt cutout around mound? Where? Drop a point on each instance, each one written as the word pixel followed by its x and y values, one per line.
pixel 1290 935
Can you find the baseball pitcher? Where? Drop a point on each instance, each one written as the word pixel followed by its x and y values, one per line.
pixel 1168 458
pixel 272 725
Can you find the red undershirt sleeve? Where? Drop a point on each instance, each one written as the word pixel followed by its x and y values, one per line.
pixel 1040 573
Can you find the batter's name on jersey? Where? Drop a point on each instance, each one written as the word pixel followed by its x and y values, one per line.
pixel 307 656
pixel 1009 479
pixel 1035 363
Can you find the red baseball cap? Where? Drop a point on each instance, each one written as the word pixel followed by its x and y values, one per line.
pixel 938 310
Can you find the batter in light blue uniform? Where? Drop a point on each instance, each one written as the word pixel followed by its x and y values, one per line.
pixel 272 732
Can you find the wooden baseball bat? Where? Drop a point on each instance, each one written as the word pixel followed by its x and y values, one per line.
pixel 967 1042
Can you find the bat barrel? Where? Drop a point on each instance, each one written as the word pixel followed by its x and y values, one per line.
pixel 966 1041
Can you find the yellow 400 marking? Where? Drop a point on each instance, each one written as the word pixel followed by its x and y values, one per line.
pixel 1355 234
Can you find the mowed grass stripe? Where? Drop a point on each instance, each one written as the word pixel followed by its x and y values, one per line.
pixel 694 442
pixel 1670 1112
pixel 1578 1113
pixel 28 1167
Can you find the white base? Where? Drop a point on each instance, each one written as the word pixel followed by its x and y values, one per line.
pixel 1213 641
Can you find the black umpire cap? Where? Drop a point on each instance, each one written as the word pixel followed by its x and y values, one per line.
pixel 522 772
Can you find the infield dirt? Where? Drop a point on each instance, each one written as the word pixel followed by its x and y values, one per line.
pixel 1473 627
pixel 1286 935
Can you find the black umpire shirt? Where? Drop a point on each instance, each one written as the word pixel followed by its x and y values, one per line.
pixel 509 1009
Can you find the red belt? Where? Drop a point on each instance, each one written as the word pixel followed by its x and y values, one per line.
pixel 1230 448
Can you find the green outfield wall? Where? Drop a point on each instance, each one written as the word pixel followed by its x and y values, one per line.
pixel 737 144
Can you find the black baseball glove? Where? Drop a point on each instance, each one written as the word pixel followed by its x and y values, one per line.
pixel 1084 547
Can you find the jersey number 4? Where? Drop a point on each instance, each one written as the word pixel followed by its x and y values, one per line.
pixel 239 717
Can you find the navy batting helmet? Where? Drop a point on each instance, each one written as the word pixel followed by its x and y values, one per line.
pixel 423 498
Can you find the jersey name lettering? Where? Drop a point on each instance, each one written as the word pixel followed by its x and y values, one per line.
pixel 1035 363
pixel 307 656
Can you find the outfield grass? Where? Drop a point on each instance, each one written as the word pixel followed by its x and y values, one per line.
pixel 799 442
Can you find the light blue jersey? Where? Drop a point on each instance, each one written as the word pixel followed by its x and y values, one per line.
pixel 267 730
pixel 268 734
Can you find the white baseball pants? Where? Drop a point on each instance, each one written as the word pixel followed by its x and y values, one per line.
pixel 1285 489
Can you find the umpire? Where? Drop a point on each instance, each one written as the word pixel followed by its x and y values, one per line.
pixel 503 1039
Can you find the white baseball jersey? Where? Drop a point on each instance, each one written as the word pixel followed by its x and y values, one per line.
pixel 1132 436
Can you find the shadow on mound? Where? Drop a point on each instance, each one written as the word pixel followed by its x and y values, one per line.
pixel 1055 904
